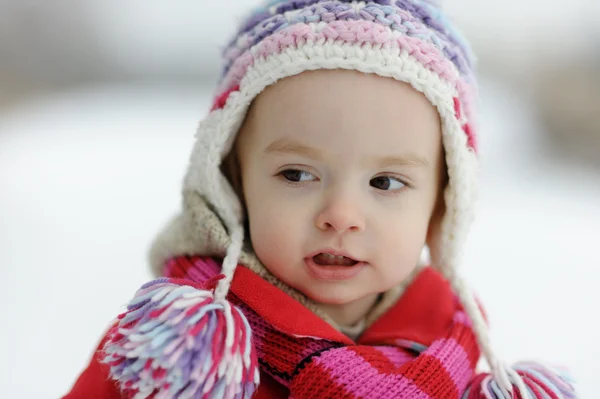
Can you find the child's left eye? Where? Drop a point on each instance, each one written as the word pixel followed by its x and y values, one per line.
pixel 297 176
pixel 386 183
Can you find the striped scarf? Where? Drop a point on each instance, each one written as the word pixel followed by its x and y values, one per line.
pixel 385 362
pixel 176 341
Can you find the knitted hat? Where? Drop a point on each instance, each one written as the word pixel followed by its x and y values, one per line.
pixel 407 40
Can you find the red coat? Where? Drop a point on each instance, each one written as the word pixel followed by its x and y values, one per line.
pixel 420 316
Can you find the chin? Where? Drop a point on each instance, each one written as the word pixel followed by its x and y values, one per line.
pixel 332 297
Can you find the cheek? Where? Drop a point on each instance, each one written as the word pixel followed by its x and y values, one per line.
pixel 276 229
pixel 402 238
pixel 277 243
pixel 271 228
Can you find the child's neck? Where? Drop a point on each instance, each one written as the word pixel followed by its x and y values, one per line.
pixel 349 314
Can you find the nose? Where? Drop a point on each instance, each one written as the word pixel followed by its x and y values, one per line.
pixel 341 214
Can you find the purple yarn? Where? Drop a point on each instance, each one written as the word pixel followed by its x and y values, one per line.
pixel 423 13
pixel 264 24
pixel 274 25
pixel 187 363
pixel 254 20
pixel 159 280
pixel 138 305
pixel 171 344
pixel 294 5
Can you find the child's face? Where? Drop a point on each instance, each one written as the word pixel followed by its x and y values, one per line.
pixel 340 162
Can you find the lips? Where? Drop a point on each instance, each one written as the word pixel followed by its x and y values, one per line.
pixel 328 259
pixel 328 265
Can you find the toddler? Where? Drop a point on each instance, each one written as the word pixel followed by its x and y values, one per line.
pixel 340 146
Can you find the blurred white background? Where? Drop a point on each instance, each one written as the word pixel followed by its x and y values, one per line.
pixel 99 103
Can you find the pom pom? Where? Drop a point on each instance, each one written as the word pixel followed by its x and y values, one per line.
pixel 176 340
pixel 528 380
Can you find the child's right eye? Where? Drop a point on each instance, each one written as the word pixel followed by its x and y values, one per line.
pixel 297 176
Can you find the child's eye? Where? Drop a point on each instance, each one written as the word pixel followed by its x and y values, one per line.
pixel 297 176
pixel 386 183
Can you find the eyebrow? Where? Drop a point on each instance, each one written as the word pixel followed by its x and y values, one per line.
pixel 406 160
pixel 287 146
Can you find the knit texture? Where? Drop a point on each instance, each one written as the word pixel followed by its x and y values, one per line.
pixel 381 364
pixel 176 341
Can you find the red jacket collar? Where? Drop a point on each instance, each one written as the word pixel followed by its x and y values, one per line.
pixel 422 314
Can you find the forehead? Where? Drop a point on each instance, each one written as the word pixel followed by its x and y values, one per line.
pixel 333 108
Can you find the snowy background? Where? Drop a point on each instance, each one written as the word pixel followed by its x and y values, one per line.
pixel 98 109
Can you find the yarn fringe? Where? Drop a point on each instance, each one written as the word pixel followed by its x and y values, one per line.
pixel 529 380
pixel 176 340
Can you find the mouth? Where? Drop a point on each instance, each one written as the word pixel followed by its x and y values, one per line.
pixel 328 259
pixel 333 266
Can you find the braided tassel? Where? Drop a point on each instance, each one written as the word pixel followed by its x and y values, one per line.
pixel 176 340
pixel 528 380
